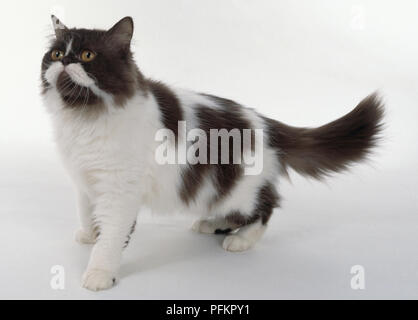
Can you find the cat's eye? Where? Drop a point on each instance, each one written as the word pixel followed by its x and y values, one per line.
pixel 87 55
pixel 57 55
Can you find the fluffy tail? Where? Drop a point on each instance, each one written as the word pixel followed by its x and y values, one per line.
pixel 333 147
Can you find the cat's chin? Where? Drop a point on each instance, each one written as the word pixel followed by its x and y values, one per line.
pixel 82 97
pixel 65 85
pixel 75 95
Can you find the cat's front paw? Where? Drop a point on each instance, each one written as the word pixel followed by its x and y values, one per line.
pixel 85 237
pixel 97 279
pixel 235 243
pixel 203 226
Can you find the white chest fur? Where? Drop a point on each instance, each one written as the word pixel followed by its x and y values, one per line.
pixel 113 150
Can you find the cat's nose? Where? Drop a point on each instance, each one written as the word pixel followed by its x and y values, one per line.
pixel 66 61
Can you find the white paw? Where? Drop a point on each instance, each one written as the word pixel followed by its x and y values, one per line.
pixel 235 243
pixel 84 237
pixel 203 226
pixel 96 279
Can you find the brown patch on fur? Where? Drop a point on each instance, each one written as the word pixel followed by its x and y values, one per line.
pixel 330 148
pixel 223 176
pixel 168 103
pixel 238 220
pixel 267 200
pixel 192 179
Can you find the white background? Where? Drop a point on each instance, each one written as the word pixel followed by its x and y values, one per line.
pixel 302 62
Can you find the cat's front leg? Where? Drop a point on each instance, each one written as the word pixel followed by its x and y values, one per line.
pixel 87 233
pixel 115 215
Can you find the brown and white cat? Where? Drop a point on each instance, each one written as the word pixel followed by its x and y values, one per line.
pixel 108 119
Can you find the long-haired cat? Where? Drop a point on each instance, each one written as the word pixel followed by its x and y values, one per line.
pixel 107 117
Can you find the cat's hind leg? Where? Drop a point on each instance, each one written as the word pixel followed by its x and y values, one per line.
pixel 243 230
pixel 245 238
pixel 252 227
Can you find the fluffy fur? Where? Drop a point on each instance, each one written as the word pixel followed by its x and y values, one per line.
pixel 106 116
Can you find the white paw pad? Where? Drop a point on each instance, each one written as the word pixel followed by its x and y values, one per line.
pixel 96 279
pixel 84 237
pixel 235 243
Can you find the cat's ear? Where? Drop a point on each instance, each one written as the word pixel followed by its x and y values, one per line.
pixel 121 33
pixel 59 27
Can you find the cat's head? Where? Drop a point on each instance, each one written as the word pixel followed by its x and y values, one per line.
pixel 91 67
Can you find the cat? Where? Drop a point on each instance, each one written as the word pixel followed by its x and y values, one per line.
pixel 106 116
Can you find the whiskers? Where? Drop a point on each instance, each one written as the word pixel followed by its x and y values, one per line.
pixel 85 95
pixel 86 99
pixel 79 96
pixel 66 85
pixel 78 89
pixel 73 94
